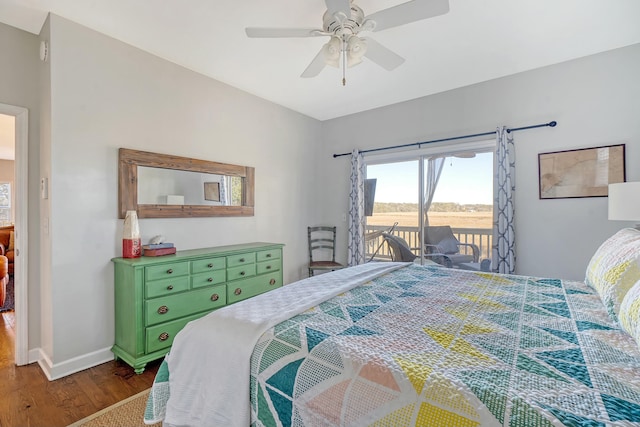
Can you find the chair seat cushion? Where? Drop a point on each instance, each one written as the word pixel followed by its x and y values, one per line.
pixel 448 245
pixel 459 258
pixel 325 264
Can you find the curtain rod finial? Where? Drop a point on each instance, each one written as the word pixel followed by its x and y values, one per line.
pixel 553 124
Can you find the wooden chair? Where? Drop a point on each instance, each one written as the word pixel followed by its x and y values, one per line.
pixel 322 249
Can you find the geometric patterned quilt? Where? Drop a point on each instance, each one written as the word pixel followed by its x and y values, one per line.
pixel 429 346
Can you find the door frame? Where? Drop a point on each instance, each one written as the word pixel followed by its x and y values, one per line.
pixel 21 221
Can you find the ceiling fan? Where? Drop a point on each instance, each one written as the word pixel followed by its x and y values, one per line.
pixel 344 21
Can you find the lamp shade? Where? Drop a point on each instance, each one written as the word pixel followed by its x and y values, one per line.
pixel 332 50
pixel 624 201
pixel 356 49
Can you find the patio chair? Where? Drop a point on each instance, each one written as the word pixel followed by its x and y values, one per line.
pixel 440 239
pixel 401 252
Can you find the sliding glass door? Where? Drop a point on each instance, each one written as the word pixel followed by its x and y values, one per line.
pixel 438 187
pixel 463 200
pixel 396 209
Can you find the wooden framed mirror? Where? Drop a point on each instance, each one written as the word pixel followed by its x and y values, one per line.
pixel 165 186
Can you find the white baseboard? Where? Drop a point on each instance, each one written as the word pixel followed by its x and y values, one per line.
pixel 71 366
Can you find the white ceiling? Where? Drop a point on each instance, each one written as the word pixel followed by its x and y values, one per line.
pixel 476 41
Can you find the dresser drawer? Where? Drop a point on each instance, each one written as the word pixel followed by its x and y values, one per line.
pixel 243 289
pixel 268 255
pixel 209 264
pixel 209 278
pixel 268 266
pixel 242 259
pixel 165 271
pixel 241 272
pixel 161 336
pixel 163 287
pixel 172 307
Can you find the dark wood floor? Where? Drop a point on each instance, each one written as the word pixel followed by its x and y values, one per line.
pixel 29 399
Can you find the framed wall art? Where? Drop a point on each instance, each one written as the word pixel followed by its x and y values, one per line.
pixel 212 191
pixel 585 172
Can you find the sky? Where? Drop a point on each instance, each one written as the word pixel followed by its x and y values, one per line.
pixel 463 181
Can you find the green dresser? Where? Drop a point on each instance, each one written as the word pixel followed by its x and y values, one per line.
pixel 155 297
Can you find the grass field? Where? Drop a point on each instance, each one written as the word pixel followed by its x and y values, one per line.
pixel 454 219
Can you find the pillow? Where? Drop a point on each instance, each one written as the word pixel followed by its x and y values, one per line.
pixel 614 269
pixel 448 246
pixel 12 242
pixel 630 312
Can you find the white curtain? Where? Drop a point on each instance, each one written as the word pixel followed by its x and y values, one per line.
pixel 355 248
pixel 504 255
pixel 434 170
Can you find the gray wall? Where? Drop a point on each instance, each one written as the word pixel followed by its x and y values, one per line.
pixel 595 101
pixel 19 87
pixel 106 95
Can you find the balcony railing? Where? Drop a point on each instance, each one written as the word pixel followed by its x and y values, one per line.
pixel 482 237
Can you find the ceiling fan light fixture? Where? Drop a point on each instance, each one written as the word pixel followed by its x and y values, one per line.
pixel 356 49
pixel 331 51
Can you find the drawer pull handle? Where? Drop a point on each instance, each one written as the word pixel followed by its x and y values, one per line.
pixel 163 336
pixel 215 297
pixel 170 287
pixel 242 273
pixel 268 255
pixel 169 271
pixel 241 259
pixel 210 265
pixel 238 291
pixel 268 267
pixel 163 310
pixel 272 281
pixel 210 279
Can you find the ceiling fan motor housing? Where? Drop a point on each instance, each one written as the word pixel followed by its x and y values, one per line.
pixel 340 24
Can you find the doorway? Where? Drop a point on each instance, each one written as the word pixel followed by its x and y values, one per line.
pixel 19 210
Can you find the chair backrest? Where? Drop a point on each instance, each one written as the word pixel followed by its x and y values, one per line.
pixel 442 236
pixel 399 248
pixel 322 240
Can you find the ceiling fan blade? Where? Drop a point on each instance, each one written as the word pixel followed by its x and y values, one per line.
pixel 343 6
pixel 408 12
pixel 382 56
pixel 314 68
pixel 283 32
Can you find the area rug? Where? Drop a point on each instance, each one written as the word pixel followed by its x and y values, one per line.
pixel 8 302
pixel 128 412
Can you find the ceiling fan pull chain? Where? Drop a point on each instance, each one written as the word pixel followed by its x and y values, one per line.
pixel 344 61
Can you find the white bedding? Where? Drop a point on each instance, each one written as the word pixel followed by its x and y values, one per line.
pixel 216 392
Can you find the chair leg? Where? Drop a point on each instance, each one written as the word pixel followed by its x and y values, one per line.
pixel 310 272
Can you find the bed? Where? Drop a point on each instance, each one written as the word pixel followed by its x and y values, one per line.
pixel 397 344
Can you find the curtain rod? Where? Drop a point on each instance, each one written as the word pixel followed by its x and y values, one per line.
pixel 550 124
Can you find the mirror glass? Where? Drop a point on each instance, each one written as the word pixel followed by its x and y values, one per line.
pixel 166 186
pixel 157 186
